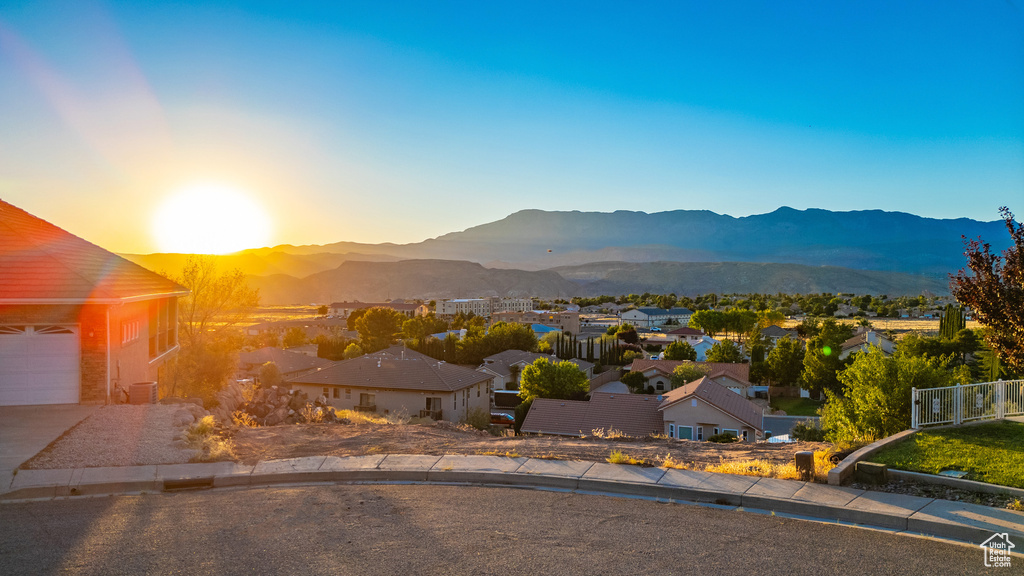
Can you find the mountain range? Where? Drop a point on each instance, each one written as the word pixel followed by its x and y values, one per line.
pixel 541 253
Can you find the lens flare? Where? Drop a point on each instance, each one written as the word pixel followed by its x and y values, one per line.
pixel 826 351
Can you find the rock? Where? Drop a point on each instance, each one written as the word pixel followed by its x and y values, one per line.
pixel 182 418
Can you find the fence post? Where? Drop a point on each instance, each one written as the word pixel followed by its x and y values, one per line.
pixel 958 393
pixel 913 408
pixel 1000 390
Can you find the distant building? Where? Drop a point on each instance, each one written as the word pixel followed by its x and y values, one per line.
pixel 482 306
pixel 564 321
pixel 410 309
pixel 863 341
pixel 651 317
pixel 290 363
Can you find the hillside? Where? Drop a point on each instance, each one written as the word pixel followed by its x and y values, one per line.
pixel 409 279
pixel 692 278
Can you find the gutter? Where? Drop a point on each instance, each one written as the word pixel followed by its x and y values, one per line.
pixel 12 301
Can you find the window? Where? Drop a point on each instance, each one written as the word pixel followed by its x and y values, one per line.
pixel 685 433
pixel 716 431
pixel 671 430
pixel 348 394
pixel 336 392
pixel 327 392
pixel 700 433
pixel 367 399
pixel 744 435
pixel 735 433
pixel 767 434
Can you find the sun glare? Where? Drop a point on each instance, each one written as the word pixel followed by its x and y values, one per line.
pixel 210 219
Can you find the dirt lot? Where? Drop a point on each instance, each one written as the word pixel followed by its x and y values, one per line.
pixel 251 445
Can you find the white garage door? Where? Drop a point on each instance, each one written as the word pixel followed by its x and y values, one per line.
pixel 39 365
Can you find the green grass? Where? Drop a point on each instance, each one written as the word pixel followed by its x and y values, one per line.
pixel 992 453
pixel 797 406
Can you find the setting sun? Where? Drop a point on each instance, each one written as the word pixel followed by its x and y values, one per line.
pixel 210 219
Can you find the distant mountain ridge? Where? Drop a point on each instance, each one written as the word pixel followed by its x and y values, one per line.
pixel 588 253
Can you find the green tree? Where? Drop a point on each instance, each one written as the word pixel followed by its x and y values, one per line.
pixel 710 321
pixel 821 366
pixel 786 362
pixel 686 373
pixel 270 375
pixel 353 351
pixel 561 381
pixel 680 350
pixel 875 400
pixel 725 351
pixel 354 317
pixel 379 327
pixel 636 381
pixel 208 335
pixel 295 336
pixel 323 310
pixel 420 327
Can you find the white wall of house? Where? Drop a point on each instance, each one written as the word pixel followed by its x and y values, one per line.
pixel 695 413
pixel 454 406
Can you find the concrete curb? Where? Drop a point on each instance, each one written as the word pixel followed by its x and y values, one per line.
pixel 842 472
pixel 972 485
pixel 953 520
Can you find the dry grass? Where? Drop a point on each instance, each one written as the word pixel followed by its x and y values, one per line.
pixel 244 419
pixel 610 434
pixel 211 448
pixel 507 454
pixel 361 417
pixel 312 414
pixel 764 468
pixel 618 457
pixel 670 462
pixel 1016 505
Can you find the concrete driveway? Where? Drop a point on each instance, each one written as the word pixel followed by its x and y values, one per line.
pixel 25 430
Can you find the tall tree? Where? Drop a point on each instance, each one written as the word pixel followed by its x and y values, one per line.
pixel 686 373
pixel 208 320
pixel 680 350
pixel 379 327
pixel 786 362
pixel 561 381
pixel 994 289
pixel 725 351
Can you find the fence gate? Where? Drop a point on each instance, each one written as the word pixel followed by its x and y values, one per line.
pixel 966 403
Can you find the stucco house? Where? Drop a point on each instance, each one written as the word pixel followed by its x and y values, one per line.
pixel 78 324
pixel 861 342
pixel 400 380
pixel 735 377
pixel 775 333
pixel 289 362
pixel 703 408
pixel 410 309
pixel 633 414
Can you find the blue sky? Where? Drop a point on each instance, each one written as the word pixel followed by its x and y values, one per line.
pixel 400 121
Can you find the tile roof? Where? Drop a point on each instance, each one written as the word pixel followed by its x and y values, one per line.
pixel 288 362
pixel 360 305
pixel 775 331
pixel 41 263
pixel 718 396
pixel 396 368
pixel 634 414
pixel 738 371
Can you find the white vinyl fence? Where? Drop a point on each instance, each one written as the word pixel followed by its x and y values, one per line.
pixel 966 403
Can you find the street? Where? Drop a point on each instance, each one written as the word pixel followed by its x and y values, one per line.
pixel 416 529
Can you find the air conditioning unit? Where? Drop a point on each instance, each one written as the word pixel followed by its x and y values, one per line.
pixel 142 393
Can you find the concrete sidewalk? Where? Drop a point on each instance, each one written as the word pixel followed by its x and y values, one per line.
pixel 25 430
pixel 900 513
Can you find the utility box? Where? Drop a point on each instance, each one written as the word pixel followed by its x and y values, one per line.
pixel 142 393
pixel 805 465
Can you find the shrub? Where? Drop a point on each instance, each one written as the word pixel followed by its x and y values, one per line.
pixel 723 438
pixel 808 432
pixel 617 457
pixel 609 434
pixel 397 417
pixel 479 418
pixel 244 419
pixel 521 412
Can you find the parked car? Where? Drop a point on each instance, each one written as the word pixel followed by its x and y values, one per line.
pixel 502 419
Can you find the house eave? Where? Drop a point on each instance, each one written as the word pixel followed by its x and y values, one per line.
pixel 83 301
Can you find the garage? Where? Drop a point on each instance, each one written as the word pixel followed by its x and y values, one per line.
pixel 39 364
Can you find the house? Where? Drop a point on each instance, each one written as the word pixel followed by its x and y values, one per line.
pixel 290 363
pixel 508 365
pixel 775 333
pixel 398 380
pixel 410 309
pixel 633 414
pixel 307 349
pixel 861 342
pixel 651 317
pixel 703 408
pixel 703 347
pixel 735 377
pixel 78 324
pixel 691 336
pixel 564 321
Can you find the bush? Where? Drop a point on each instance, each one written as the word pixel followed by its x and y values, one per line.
pixel 479 418
pixel 521 412
pixel 808 432
pixel 723 438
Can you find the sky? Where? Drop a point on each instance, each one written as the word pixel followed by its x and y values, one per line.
pixel 400 121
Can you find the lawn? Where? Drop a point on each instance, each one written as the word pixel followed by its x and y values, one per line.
pixel 992 452
pixel 796 406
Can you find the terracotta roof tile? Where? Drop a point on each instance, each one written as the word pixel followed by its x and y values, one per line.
pixel 40 262
pixel 738 371
pixel 634 414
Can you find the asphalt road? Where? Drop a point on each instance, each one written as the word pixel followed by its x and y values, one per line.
pixel 417 530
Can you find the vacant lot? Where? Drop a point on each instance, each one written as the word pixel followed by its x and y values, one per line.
pixel 797 406
pixel 251 445
pixel 992 452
